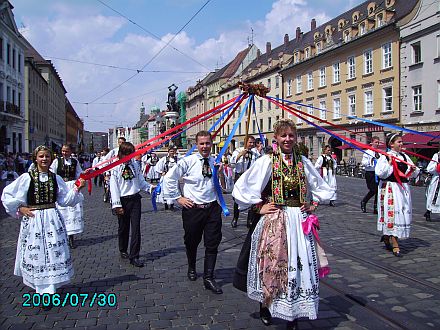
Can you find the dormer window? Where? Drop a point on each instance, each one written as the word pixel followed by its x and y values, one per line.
pixel 347 36
pixel 307 53
pixel 318 48
pixel 379 20
pixel 371 7
pixel 362 29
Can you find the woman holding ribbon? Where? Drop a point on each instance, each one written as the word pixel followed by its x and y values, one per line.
pixel 285 261
pixel 43 257
pixel 394 197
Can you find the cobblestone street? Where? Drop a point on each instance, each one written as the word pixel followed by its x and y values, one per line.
pixel 368 287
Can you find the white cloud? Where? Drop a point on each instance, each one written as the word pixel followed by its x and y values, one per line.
pixel 93 37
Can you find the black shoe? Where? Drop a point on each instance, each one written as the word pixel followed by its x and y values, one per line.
pixel 71 242
pixel 124 255
pixel 211 284
pixel 234 223
pixel 172 207
pixel 427 215
pixel 248 223
pixel 136 263
pixel 192 275
pixel 332 203
pixel 364 207
pixel 166 206
pixel 292 325
pixel 265 315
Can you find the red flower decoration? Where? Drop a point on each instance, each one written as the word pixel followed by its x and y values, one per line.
pixel 381 219
pixel 390 225
pixel 390 214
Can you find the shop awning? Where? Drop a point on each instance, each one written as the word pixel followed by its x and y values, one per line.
pixel 417 139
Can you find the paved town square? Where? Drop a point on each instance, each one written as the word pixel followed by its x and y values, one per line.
pixel 368 287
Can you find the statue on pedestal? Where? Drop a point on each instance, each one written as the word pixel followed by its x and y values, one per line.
pixel 171 104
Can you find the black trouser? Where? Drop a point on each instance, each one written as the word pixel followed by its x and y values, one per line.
pixel 236 211
pixel 101 179
pixel 132 217
pixel 372 188
pixel 202 221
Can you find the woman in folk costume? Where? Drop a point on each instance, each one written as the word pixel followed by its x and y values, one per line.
pixel 394 197
pixel 162 167
pixel 327 167
pixel 285 261
pixel 43 258
pixel 433 190
pixel 151 160
pixel 69 169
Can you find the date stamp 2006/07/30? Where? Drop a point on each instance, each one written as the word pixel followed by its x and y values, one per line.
pixel 69 299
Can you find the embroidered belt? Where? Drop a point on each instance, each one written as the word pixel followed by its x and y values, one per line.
pixel 202 206
pixel 290 202
pixel 42 206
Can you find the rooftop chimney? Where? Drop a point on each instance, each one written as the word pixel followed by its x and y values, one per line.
pixel 268 47
pixel 258 53
pixel 298 33
pixel 286 40
pixel 313 24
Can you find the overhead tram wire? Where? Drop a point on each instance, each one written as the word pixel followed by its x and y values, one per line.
pixel 121 68
pixel 134 97
pixel 151 33
pixel 154 57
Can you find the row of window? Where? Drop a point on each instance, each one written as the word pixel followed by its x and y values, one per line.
pixel 12 58
pixel 11 95
pixel 351 70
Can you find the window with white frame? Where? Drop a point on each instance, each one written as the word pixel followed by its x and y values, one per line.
pixel 269 123
pixel 336 73
pixel 276 105
pixel 268 83
pixel 438 94
pixel 417 98
pixel 386 52
pixel 368 61
pixel 318 48
pixel 298 120
pixel 254 126
pixel 311 111
pixel 336 108
pixel 277 81
pixel 261 125
pixel 438 45
pixel 307 52
pixel 388 99
pixel 322 111
pixel 298 84
pixel 310 80
pixel 261 105
pixel 347 36
pixel 269 105
pixel 289 87
pixel 416 53
pixel 351 67
pixel 322 77
pixel 368 96
pixel 352 105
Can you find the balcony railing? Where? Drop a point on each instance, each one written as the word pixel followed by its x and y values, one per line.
pixel 10 108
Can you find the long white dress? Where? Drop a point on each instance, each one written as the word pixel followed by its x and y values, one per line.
pixel 302 296
pixel 73 215
pixel 163 166
pixel 394 200
pixel 43 257
pixel 433 190
pixel 329 176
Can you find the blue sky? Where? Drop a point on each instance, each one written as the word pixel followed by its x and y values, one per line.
pixel 87 30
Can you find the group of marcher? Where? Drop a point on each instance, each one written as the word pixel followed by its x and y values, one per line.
pixel 281 260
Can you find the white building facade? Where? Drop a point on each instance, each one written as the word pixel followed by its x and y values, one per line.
pixel 420 68
pixel 12 122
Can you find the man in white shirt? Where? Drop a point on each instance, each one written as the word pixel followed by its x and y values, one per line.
pixel 201 214
pixel 241 160
pixel 96 161
pixel 126 181
pixel 369 163
pixel 114 152
pixel 69 169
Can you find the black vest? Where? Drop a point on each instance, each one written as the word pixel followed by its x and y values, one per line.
pixel 40 193
pixel 402 167
pixel 67 172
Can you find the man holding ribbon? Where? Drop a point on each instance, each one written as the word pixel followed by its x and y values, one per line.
pixel 201 213
pixel 369 160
